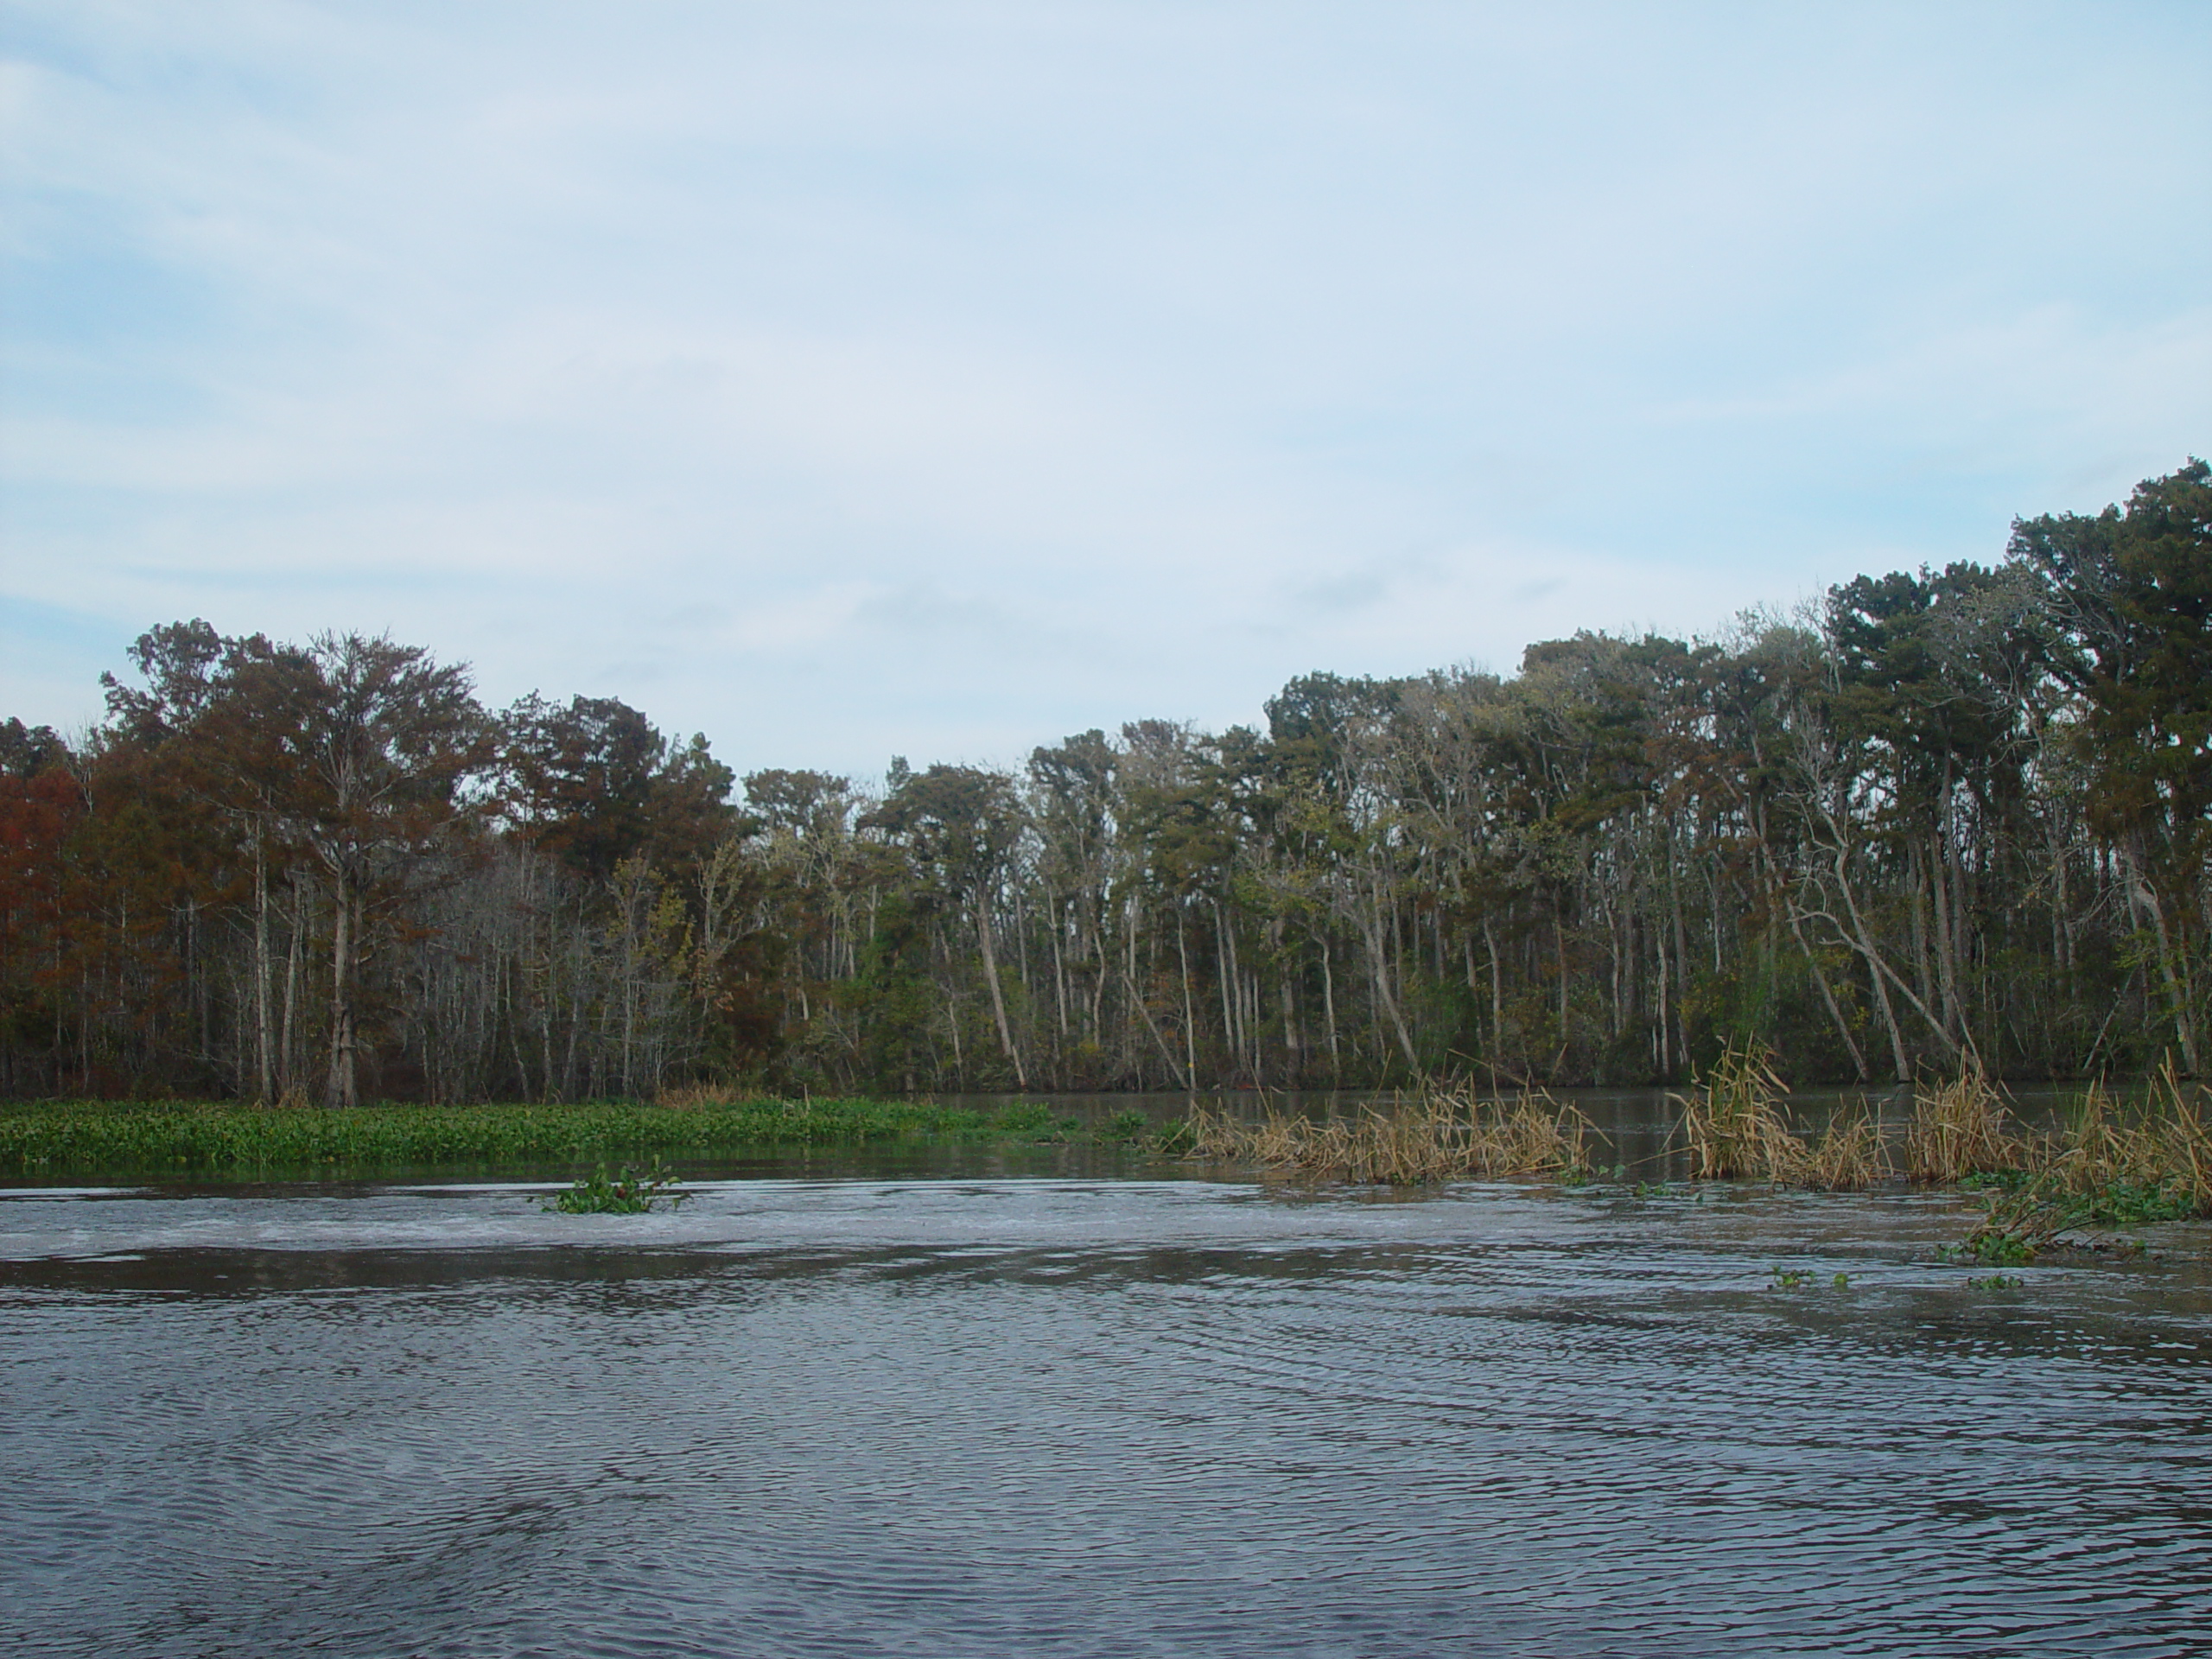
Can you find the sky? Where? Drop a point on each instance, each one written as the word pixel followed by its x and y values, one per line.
pixel 941 379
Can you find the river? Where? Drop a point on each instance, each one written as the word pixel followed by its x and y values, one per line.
pixel 1121 1411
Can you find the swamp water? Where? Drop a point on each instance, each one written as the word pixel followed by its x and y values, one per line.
pixel 1124 1412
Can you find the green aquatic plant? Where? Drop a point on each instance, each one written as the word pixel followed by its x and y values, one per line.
pixel 87 1136
pixel 1175 1140
pixel 1123 1128
pixel 1029 1119
pixel 1997 1281
pixel 2017 1225
pixel 634 1192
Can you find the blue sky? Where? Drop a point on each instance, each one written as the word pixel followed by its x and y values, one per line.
pixel 846 379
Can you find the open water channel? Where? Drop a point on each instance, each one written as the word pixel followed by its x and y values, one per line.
pixel 1087 1406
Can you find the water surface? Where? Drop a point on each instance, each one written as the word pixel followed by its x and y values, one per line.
pixel 1087 1416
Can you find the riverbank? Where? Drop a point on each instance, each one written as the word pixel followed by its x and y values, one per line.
pixel 87 1138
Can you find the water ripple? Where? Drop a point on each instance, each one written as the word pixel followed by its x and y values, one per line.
pixel 1048 1418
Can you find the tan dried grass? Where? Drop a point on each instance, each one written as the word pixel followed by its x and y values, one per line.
pixel 1959 1129
pixel 1732 1121
pixel 1850 1156
pixel 2165 1146
pixel 1435 1136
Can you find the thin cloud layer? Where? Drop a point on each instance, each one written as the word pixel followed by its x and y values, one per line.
pixel 850 379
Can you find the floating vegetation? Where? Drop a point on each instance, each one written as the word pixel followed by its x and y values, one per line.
pixel 2109 1167
pixel 1178 1138
pixel 2020 1223
pixel 1799 1278
pixel 1439 1135
pixel 1123 1129
pixel 1997 1281
pixel 634 1192
pixel 80 1136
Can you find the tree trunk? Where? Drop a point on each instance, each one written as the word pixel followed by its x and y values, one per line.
pixel 262 1058
pixel 1329 1009
pixel 1189 1020
pixel 1496 993
pixel 998 997
pixel 342 1090
pixel 2171 969
pixel 1371 931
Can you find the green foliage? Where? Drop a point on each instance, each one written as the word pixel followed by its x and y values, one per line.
pixel 2019 1224
pixel 634 1192
pixel 77 1137
pixel 1123 1128
pixel 1175 1140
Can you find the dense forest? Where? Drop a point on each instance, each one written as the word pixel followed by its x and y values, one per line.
pixel 1956 817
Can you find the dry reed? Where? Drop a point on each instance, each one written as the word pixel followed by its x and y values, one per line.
pixel 2158 1156
pixel 1959 1129
pixel 1850 1156
pixel 2110 1165
pixel 1733 1121
pixel 1438 1136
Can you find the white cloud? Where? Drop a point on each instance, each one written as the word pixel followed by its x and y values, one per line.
pixel 946 377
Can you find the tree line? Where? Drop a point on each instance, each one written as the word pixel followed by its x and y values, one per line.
pixel 1942 818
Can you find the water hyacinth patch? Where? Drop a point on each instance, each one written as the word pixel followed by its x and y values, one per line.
pixel 634 1192
pixel 78 1137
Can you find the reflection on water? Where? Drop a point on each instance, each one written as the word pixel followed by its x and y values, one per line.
pixel 983 1415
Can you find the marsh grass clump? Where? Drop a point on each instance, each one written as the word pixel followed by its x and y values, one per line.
pixel 634 1192
pixel 691 1096
pixel 1438 1134
pixel 1850 1155
pixel 2151 1163
pixel 2110 1166
pixel 1732 1120
pixel 1959 1129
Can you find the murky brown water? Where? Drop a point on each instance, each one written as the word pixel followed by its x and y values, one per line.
pixel 1048 1417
